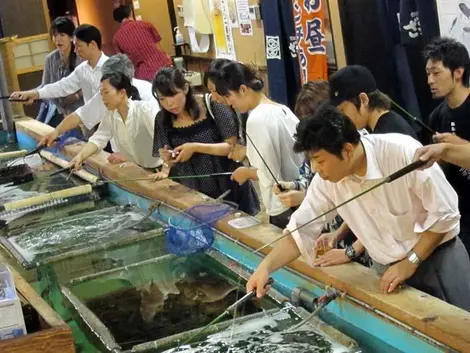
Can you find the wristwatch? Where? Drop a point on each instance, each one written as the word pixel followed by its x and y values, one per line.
pixel 413 258
pixel 350 252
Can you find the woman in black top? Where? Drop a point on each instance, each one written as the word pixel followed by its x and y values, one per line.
pixel 194 138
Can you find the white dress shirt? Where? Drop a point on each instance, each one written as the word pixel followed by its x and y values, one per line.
pixel 94 111
pixel 388 221
pixel 272 128
pixel 134 138
pixel 84 78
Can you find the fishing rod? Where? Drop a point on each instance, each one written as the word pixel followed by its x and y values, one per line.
pixel 414 118
pixel 392 177
pixel 232 307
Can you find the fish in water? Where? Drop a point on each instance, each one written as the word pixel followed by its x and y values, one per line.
pixel 153 298
pixel 206 290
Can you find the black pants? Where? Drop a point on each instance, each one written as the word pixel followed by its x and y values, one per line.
pixel 445 274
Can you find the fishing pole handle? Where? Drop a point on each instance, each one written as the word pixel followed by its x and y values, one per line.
pixel 409 168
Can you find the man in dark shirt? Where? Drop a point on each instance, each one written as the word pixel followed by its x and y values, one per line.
pixel 448 70
pixel 354 91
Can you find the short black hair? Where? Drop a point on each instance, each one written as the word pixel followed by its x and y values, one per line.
pixel 453 55
pixel 121 13
pixel 235 74
pixel 328 129
pixel 213 73
pixel 88 33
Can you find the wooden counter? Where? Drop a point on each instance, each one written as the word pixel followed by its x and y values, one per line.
pixel 431 316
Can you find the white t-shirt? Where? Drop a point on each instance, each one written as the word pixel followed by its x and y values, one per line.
pixel 270 129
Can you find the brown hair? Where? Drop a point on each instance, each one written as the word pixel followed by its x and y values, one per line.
pixel 311 95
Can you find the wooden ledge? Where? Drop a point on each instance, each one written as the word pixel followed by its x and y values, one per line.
pixel 443 322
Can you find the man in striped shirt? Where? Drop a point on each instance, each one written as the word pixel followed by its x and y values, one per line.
pixel 141 42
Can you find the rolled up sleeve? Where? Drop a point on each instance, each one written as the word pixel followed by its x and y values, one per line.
pixel 316 202
pixel 439 200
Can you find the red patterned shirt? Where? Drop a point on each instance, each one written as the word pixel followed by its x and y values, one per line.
pixel 138 39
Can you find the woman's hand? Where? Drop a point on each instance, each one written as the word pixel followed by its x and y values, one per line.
pixel 286 185
pixel 185 152
pixel 160 175
pixel 165 153
pixel 116 158
pixel 291 198
pixel 237 153
pixel 76 163
pixel 241 175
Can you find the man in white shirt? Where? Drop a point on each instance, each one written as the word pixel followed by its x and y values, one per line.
pixel 86 76
pixel 409 227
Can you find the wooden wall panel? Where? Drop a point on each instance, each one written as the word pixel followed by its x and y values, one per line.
pixel 22 17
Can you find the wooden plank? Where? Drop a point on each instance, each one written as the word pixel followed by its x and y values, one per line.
pixel 433 317
pixel 53 340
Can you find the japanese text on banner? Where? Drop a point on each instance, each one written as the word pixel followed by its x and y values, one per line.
pixel 309 20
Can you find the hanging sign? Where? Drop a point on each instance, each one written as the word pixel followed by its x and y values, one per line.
pixel 221 25
pixel 309 17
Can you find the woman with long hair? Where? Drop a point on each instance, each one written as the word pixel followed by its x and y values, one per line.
pixel 59 64
pixel 269 130
pixel 195 137
pixel 129 122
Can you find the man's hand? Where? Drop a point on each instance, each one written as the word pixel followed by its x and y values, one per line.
pixel 28 96
pixel 397 274
pixel 430 154
pixel 49 140
pixel 241 175
pixel 326 240
pixel 291 198
pixel 447 137
pixel 258 281
pixel 116 158
pixel 332 257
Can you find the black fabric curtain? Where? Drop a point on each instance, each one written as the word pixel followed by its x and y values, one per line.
pixel 388 36
pixel 281 54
